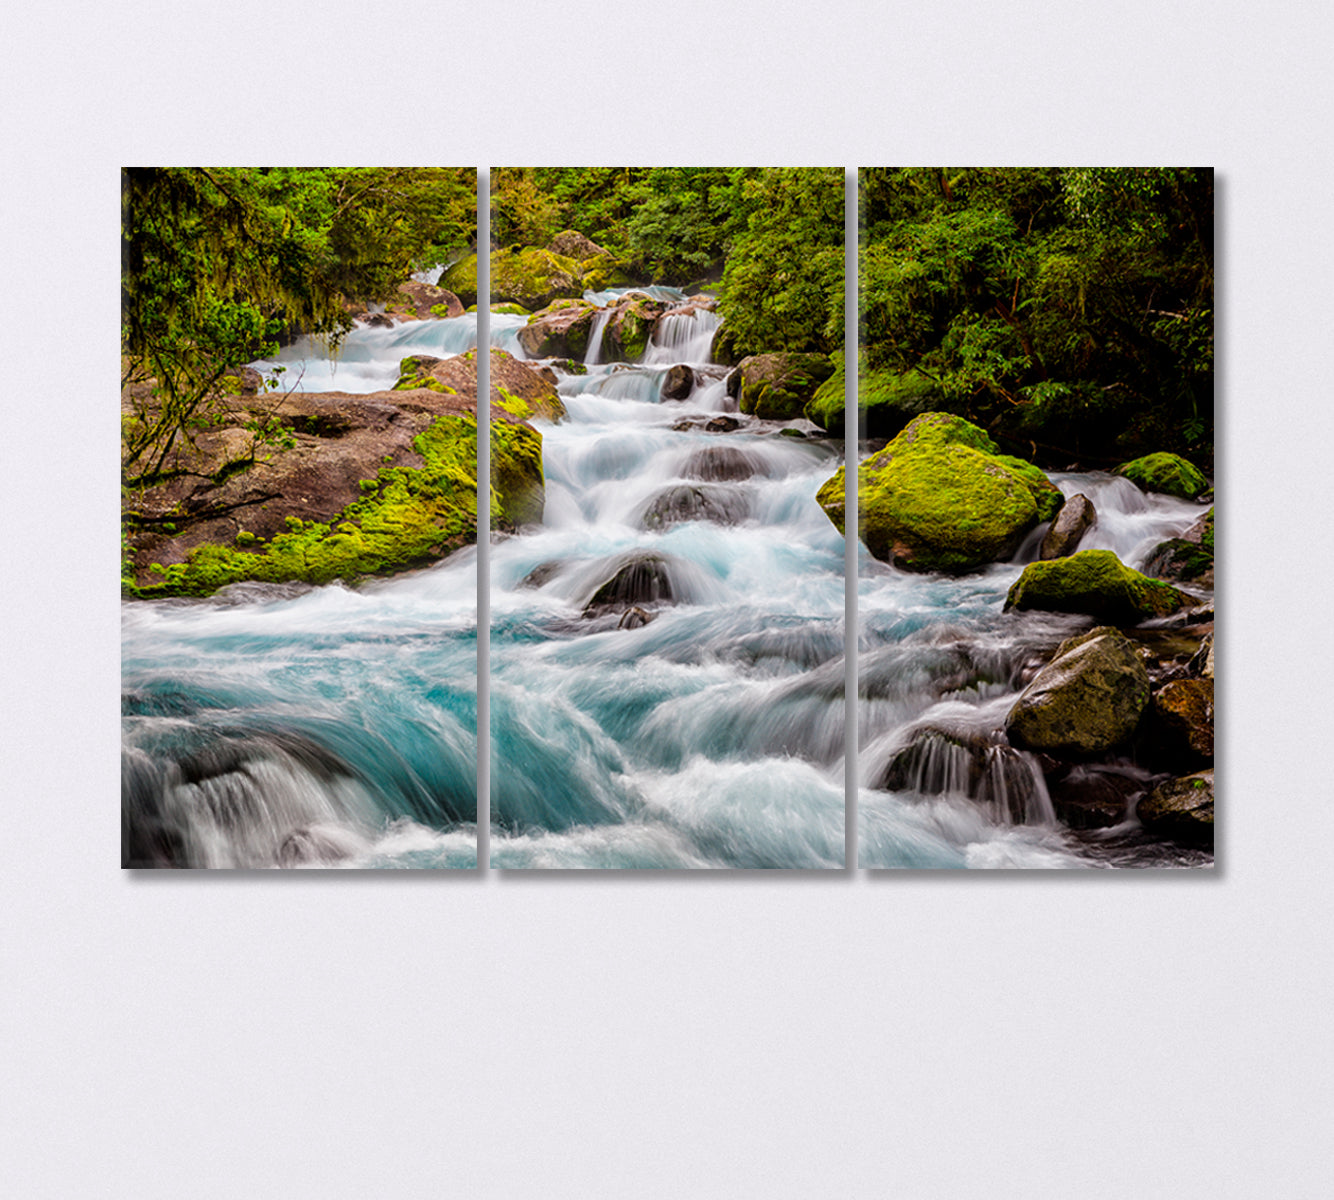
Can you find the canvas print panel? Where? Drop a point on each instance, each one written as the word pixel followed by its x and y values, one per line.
pixel 1036 518
pixel 299 517
pixel 667 593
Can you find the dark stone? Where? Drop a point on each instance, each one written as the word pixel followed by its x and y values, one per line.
pixel 720 463
pixel 1180 730
pixel 1094 796
pixel 679 383
pixel 542 574
pixel 1086 701
pixel 636 579
pixel 673 505
pixel 1181 809
pixel 1076 517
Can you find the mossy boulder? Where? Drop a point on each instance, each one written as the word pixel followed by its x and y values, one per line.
pixel 573 244
pixel 417 301
pixel 629 329
pixel 523 275
pixel 1097 583
pixel 777 387
pixel 1181 809
pixel 1168 473
pixel 560 330
pixel 520 390
pixel 940 498
pixel 361 485
pixel 1087 701
pixel 886 401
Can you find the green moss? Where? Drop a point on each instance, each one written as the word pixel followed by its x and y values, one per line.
pixel 413 375
pixel 245 538
pixel 512 310
pixel 939 497
pixel 1168 473
pixel 440 310
pixel 407 518
pixel 1046 495
pixel 942 507
pixel 1095 582
pixel 778 387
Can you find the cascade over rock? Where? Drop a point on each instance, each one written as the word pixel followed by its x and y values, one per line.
pixel 1086 701
pixel 1097 583
pixel 1189 558
pixel 939 498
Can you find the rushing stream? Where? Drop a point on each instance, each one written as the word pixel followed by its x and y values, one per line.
pixel 707 729
pixel 274 725
pixel 667 665
pixel 941 665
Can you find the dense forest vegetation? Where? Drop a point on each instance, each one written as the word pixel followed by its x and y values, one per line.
pixel 219 263
pixel 1068 310
pixel 770 238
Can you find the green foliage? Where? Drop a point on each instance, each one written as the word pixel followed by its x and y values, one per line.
pixel 779 233
pixel 1065 306
pixel 218 263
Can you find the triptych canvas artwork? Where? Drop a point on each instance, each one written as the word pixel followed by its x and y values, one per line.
pixel 611 552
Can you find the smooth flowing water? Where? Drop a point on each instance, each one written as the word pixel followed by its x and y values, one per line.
pixel 940 667
pixel 693 717
pixel 284 725
pixel 667 666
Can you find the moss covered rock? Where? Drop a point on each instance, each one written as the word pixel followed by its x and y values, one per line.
pixel 777 387
pixel 1097 583
pixel 939 498
pixel 1168 473
pixel 629 328
pixel 523 275
pixel 560 330
pixel 1086 701
pixel 520 390
pixel 417 301
pixel 364 485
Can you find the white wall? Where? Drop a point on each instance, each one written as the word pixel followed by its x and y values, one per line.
pixel 1118 1035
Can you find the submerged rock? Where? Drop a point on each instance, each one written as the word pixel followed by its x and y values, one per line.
pixel 940 498
pixel 1181 809
pixel 1168 473
pixel 1095 796
pixel 702 502
pixel 1086 701
pixel 721 463
pixel 635 618
pixel 1097 583
pixel 1076 518
pixel 636 579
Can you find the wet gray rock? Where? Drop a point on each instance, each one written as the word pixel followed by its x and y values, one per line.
pixel 1077 517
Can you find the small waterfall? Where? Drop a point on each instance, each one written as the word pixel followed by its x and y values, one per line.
pixel 593 355
pixel 683 337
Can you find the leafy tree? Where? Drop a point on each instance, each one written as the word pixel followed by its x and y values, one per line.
pixel 218 263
